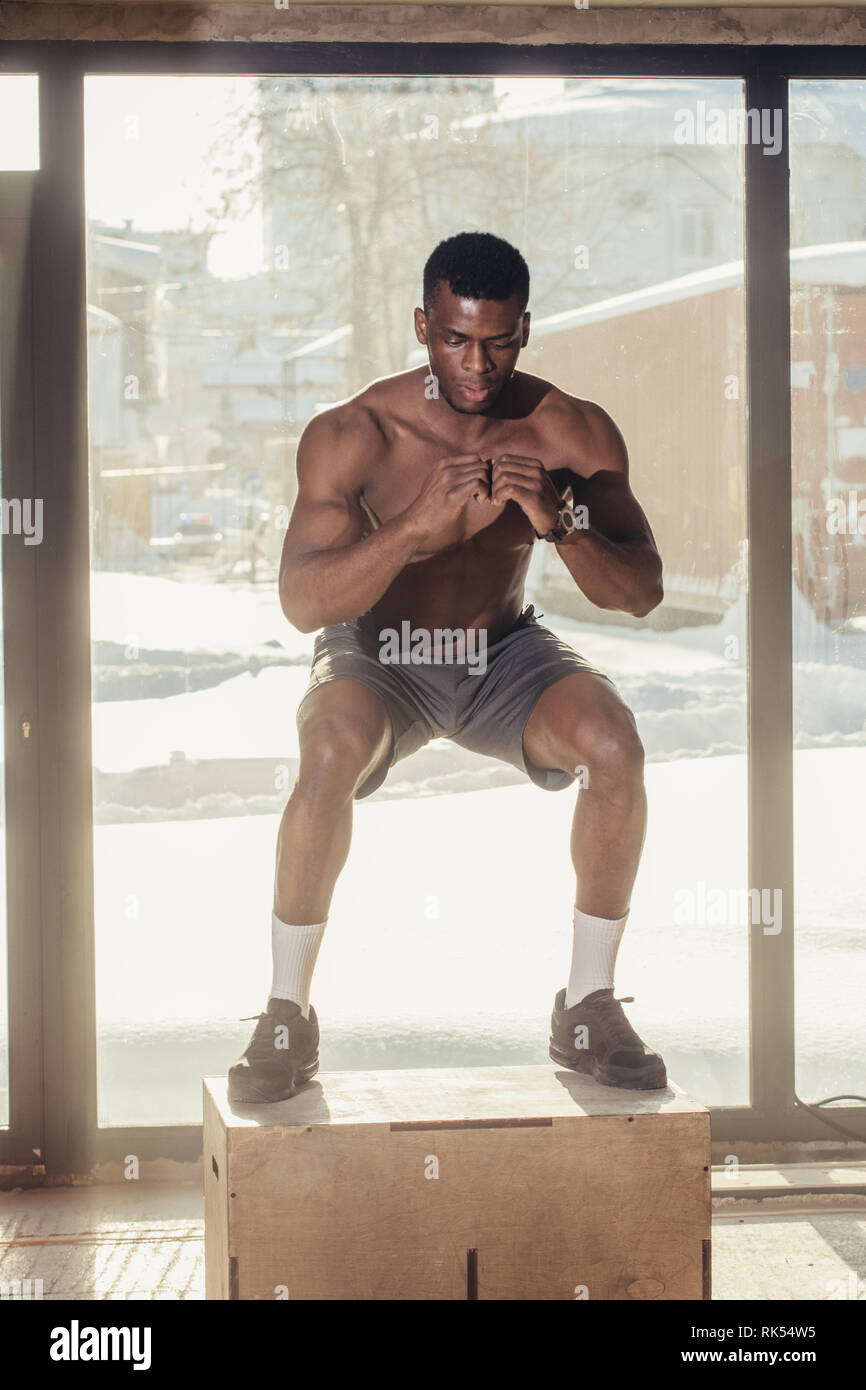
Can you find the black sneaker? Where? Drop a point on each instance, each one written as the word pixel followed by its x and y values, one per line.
pixel 282 1055
pixel 609 1049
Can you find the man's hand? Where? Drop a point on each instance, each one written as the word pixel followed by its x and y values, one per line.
pixel 527 482
pixel 447 488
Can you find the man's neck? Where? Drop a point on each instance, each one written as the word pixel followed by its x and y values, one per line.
pixel 469 430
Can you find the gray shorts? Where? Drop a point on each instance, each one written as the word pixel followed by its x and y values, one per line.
pixel 485 710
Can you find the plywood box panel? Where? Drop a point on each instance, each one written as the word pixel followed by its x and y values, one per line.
pixel 488 1183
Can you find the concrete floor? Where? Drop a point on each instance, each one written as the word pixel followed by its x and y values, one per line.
pixel 140 1240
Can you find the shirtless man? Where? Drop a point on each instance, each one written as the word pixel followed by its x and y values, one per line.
pixel 419 502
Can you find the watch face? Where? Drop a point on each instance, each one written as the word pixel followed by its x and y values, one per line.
pixel 566 519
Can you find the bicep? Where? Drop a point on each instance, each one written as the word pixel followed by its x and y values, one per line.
pixel 321 523
pixel 326 514
pixel 604 489
pixel 613 509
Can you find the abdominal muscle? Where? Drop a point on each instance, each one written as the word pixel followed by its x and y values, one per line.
pixel 473 583
pixel 455 589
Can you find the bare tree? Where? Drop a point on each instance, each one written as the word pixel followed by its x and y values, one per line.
pixel 359 179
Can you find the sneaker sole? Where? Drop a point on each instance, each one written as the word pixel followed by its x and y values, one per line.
pixel 623 1079
pixel 253 1096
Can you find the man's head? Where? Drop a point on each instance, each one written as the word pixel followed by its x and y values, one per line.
pixel 474 321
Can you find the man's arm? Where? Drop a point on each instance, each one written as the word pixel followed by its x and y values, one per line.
pixel 614 560
pixel 330 571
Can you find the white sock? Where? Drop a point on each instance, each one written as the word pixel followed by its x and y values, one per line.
pixel 596 942
pixel 294 951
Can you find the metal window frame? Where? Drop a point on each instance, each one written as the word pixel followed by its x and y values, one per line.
pixel 55 662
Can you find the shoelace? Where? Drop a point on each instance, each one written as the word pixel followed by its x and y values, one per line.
pixel 616 1021
pixel 262 1042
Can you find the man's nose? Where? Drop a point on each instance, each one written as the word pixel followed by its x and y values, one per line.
pixel 477 359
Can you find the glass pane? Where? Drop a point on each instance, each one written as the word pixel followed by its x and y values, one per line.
pixel 828 335
pixel 255 252
pixel 19 121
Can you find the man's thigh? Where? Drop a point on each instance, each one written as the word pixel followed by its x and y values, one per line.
pixel 349 710
pixel 579 722
pixel 514 699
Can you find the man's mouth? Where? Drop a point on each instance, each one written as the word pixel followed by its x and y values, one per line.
pixel 476 394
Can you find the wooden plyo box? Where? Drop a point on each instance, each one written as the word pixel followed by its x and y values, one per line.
pixel 489 1183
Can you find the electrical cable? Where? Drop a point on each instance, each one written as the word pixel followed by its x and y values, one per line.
pixel 815 1109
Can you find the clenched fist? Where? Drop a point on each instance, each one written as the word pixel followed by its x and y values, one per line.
pixel 527 482
pixel 446 490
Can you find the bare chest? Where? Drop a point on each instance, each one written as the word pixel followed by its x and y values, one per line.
pixel 397 476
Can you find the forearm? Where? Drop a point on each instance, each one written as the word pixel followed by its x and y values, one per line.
pixel 622 575
pixel 333 586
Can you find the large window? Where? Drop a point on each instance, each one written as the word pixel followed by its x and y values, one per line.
pixel 255 248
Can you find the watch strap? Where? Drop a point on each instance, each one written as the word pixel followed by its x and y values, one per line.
pixel 558 532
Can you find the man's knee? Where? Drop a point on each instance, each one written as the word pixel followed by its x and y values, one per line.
pixel 603 749
pixel 608 744
pixel 337 753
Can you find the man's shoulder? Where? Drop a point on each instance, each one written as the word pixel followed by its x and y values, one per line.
pixel 555 404
pixel 336 446
pixel 581 426
pixel 351 417
pixel 366 413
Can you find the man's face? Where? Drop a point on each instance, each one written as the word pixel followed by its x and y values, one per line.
pixel 473 346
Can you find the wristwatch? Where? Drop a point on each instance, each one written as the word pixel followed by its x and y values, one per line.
pixel 565 520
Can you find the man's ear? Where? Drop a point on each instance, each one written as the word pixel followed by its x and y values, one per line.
pixel 526 318
pixel 421 327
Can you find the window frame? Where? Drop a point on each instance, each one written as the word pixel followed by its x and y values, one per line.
pixel 52 1006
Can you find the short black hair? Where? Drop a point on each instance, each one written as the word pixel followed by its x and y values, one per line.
pixel 477 265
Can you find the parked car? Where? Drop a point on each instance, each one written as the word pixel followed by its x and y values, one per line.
pixel 196 538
